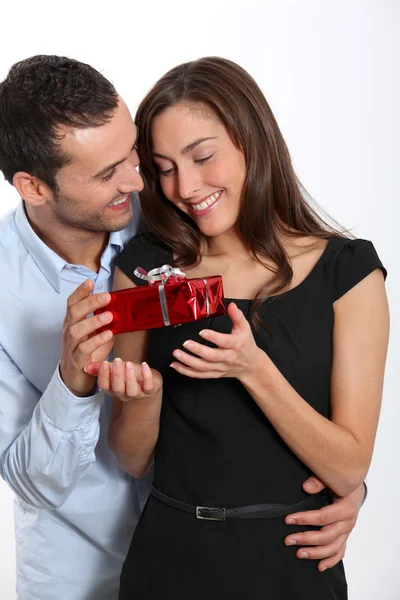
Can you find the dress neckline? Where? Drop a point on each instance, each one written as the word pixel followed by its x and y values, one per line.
pixel 296 287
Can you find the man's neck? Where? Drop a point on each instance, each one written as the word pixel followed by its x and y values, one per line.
pixel 75 246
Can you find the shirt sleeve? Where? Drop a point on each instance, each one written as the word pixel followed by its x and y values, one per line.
pixel 46 442
pixel 355 260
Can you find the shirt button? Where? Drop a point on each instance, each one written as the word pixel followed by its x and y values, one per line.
pixel 89 450
pixel 100 287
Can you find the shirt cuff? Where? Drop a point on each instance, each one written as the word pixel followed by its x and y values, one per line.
pixel 66 411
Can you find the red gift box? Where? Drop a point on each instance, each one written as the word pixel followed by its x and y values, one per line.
pixel 169 299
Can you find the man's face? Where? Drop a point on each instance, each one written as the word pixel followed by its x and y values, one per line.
pixel 94 187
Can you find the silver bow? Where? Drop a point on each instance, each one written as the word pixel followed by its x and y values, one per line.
pixel 160 274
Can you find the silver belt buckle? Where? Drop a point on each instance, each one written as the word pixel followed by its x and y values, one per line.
pixel 209 513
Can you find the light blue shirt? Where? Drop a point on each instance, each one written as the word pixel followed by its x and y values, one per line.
pixel 75 509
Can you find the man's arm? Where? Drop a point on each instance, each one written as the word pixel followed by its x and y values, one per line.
pixel 336 521
pixel 47 442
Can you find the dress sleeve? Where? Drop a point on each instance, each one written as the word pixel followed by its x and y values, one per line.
pixel 143 250
pixel 354 261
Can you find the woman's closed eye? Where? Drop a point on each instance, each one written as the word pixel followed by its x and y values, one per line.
pixel 171 170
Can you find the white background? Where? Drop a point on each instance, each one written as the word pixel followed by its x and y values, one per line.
pixel 330 70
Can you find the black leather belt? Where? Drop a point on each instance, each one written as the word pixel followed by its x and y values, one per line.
pixel 253 511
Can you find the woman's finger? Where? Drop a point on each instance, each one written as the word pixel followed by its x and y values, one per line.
pixel 103 379
pixel 148 380
pixel 222 340
pixel 132 388
pixel 188 372
pixel 198 364
pixel 118 377
pixel 211 355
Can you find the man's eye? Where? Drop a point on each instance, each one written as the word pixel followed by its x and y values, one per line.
pixel 109 175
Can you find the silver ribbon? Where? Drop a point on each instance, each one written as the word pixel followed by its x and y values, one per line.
pixel 160 274
pixel 207 302
pixel 163 302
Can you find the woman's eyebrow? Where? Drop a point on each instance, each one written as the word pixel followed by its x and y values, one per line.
pixel 187 148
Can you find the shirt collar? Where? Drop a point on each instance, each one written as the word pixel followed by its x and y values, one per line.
pixel 48 261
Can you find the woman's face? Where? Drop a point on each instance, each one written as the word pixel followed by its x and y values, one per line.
pixel 201 171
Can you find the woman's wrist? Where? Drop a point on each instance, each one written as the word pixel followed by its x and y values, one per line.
pixel 259 364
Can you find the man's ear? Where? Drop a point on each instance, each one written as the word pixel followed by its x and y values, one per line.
pixel 31 189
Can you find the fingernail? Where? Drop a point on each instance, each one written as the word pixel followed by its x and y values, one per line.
pixel 103 297
pixel 105 317
pixel 129 366
pixel 106 335
pixel 323 569
pixel 172 365
pixel 303 555
pixel 311 483
pixel 291 543
pixel 203 333
pixel 290 522
pixel 86 284
pixel 187 344
pixel 117 363
pixel 145 365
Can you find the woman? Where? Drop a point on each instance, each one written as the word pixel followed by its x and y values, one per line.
pixel 240 409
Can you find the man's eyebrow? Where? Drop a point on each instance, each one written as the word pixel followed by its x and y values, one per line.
pixel 187 148
pixel 113 165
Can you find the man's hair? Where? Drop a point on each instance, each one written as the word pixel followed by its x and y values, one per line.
pixel 39 95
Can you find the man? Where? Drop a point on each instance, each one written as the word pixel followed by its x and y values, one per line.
pixel 67 144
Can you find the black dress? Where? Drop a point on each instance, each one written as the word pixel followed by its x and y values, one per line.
pixel 216 448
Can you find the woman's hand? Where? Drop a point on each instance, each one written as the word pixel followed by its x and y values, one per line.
pixel 236 355
pixel 126 380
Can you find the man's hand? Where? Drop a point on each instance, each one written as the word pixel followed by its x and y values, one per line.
pixel 336 520
pixel 80 343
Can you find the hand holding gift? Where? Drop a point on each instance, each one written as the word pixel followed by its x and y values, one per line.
pixel 169 299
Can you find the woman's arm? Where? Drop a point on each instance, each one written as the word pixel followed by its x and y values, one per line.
pixel 134 427
pixel 339 450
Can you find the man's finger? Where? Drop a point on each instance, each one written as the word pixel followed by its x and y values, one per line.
pixel 324 516
pixel 82 291
pixel 332 561
pixel 87 327
pixel 86 348
pixel 313 485
pixel 80 310
pixel 321 552
pixel 326 535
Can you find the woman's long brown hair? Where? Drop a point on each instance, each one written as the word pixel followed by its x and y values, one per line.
pixel 273 201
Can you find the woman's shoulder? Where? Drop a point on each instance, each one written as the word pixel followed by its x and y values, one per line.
pixel 348 261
